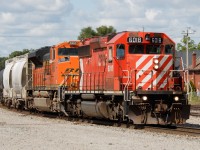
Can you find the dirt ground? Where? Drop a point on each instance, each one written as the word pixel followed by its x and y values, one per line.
pixel 28 132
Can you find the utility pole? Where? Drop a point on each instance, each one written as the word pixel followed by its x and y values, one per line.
pixel 186 34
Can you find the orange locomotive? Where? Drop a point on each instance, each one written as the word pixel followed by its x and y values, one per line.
pixel 51 64
pixel 130 76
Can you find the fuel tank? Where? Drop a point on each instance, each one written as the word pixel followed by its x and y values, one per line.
pixel 95 109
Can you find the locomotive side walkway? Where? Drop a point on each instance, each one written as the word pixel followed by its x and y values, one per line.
pixel 19 131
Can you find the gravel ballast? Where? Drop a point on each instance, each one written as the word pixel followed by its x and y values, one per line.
pixel 23 132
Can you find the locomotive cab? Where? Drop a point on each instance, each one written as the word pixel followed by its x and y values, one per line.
pixel 144 67
pixel 58 68
pixel 64 58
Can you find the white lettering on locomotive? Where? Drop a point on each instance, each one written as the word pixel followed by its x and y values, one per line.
pixel 156 40
pixel 134 39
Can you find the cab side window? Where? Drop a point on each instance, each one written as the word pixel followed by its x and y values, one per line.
pixel 168 49
pixel 120 51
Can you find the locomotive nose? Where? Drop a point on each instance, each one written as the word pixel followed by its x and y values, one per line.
pixel 153 71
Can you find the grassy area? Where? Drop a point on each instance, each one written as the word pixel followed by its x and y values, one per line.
pixel 194 100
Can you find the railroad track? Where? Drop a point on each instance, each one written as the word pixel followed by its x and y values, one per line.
pixel 195 107
pixel 197 114
pixel 195 110
pixel 178 130
pixel 188 129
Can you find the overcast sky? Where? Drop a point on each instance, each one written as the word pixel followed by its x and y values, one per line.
pixel 26 24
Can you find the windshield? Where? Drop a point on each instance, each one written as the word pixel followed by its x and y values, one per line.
pixel 136 49
pixel 168 49
pixel 153 49
pixel 68 51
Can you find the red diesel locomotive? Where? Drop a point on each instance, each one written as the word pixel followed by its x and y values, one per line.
pixel 130 76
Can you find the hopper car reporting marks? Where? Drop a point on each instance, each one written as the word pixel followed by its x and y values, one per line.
pixel 128 76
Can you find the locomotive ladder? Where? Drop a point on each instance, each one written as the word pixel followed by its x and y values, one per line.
pixel 126 91
pixel 29 75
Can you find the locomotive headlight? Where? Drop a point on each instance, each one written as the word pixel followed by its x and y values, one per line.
pixel 144 98
pixel 156 67
pixel 156 61
pixel 176 98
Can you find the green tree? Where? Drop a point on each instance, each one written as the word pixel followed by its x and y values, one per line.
pixel 11 55
pixel 18 53
pixel 104 30
pixel 198 46
pixel 2 62
pixel 191 44
pixel 88 32
pixel 192 87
